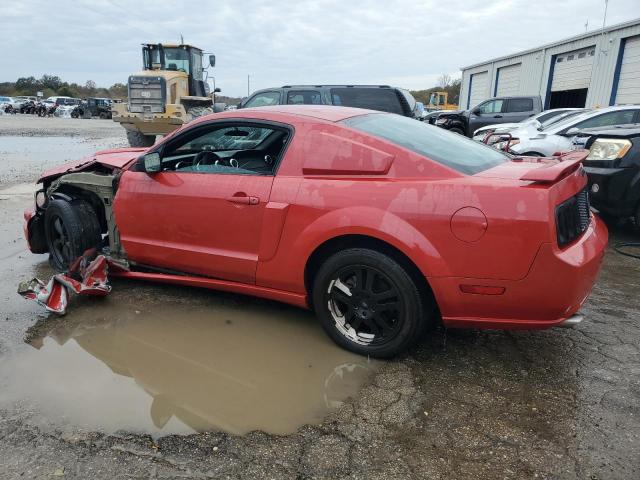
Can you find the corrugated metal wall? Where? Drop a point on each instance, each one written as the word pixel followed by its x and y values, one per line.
pixel 536 66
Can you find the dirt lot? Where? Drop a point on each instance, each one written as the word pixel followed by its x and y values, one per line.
pixel 116 389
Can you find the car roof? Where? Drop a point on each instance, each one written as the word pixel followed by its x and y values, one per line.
pixel 591 113
pixel 626 130
pixel 329 113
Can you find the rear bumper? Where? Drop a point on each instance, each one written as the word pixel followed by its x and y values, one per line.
pixel 554 289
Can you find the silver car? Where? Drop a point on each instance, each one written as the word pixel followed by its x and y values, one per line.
pixel 542 119
pixel 557 137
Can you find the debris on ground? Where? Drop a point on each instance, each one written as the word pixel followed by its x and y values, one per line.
pixel 83 278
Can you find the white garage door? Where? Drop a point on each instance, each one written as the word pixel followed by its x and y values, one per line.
pixel 479 88
pixel 508 81
pixel 573 70
pixel 629 82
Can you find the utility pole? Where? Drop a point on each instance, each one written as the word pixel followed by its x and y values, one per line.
pixel 248 85
pixel 604 19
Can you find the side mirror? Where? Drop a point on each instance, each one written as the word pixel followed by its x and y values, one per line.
pixel 476 111
pixel 151 162
pixel 212 60
pixel 572 131
pixel 217 90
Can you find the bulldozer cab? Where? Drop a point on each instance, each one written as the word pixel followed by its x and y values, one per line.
pixel 438 99
pixel 178 58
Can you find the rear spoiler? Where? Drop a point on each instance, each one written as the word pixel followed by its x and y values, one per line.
pixel 554 170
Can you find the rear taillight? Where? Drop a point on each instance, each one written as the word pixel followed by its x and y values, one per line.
pixel 572 217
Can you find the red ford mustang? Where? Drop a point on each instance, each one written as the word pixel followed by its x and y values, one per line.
pixel 380 223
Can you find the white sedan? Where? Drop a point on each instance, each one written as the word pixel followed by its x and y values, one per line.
pixel 542 119
pixel 545 142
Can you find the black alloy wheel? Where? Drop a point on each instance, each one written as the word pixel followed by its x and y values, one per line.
pixel 368 303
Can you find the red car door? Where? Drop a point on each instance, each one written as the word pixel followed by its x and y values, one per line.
pixel 202 223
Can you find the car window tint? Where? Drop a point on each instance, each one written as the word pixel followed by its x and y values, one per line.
pixel 494 106
pixel 450 149
pixel 383 99
pixel 304 97
pixel 520 105
pixel 264 99
pixel 610 118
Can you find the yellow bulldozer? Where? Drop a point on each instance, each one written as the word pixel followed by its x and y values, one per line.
pixel 169 91
pixel 440 101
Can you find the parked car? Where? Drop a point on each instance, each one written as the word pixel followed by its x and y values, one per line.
pixel 374 97
pixel 384 225
pixel 613 170
pixel 542 119
pixel 10 104
pixel 490 112
pixel 558 137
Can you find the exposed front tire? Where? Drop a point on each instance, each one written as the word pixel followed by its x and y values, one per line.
pixel 368 303
pixel 137 139
pixel 457 130
pixel 70 229
pixel 195 112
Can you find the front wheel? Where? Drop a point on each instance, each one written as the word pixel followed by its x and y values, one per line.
pixel 368 303
pixel 70 228
pixel 137 139
pixel 457 130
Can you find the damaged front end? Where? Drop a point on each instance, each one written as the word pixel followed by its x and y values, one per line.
pixel 93 183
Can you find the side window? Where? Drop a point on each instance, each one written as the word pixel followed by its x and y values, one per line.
pixel 304 97
pixel 381 99
pixel 492 106
pixel 238 149
pixel 264 99
pixel 520 105
pixel 620 117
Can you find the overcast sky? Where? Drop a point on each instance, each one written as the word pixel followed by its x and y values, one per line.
pixel 403 43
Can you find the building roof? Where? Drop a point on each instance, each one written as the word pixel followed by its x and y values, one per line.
pixel 592 33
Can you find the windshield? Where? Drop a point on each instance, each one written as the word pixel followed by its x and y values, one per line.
pixel 553 121
pixel 176 59
pixel 447 148
pixel 568 120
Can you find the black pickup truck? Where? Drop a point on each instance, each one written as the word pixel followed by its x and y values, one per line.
pixel 493 111
pixel 374 97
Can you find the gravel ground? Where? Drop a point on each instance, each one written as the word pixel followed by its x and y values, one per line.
pixel 556 404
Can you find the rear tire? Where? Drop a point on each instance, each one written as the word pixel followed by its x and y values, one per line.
pixel 70 229
pixel 195 112
pixel 137 139
pixel 368 303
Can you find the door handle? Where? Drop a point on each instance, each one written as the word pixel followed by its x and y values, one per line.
pixel 244 200
pixel 497 116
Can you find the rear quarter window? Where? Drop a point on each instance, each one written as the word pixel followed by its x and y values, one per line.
pixel 382 99
pixel 447 148
pixel 520 105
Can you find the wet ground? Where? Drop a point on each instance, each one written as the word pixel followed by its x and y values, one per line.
pixel 115 389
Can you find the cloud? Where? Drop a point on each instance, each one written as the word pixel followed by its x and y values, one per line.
pixel 398 42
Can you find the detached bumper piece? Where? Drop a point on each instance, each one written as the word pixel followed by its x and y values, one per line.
pixel 83 278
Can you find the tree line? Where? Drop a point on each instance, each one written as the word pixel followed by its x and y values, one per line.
pixel 52 85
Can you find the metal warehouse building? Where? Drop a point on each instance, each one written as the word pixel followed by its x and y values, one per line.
pixel 591 70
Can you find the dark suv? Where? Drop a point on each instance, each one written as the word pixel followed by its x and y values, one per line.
pixel 613 169
pixel 493 111
pixel 374 97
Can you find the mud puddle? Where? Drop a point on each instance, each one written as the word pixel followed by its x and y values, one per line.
pixel 175 368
